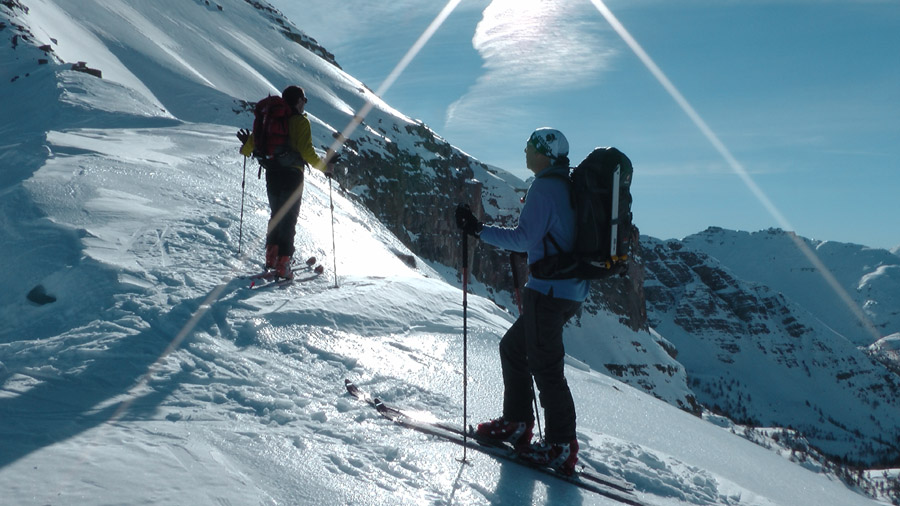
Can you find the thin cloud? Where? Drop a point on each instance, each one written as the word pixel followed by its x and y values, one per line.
pixel 340 24
pixel 531 49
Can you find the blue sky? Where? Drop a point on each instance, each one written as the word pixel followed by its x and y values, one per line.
pixel 804 94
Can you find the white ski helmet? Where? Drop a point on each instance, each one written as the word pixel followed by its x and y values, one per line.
pixel 549 142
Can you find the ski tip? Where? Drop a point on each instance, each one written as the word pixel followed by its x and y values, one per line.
pixel 310 260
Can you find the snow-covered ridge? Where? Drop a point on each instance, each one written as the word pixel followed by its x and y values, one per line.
pixel 871 276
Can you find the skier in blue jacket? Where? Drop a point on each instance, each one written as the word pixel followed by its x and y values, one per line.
pixel 533 346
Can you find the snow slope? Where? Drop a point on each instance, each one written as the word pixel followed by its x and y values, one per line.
pixel 99 408
pixel 149 374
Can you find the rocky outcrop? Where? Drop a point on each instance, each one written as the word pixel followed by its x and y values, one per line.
pixel 868 277
pixel 624 296
pixel 414 191
pixel 290 31
pixel 415 187
pixel 412 180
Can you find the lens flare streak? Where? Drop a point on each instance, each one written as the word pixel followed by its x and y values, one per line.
pixel 735 165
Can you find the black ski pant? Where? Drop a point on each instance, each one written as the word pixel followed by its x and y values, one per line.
pixel 533 347
pixel 281 184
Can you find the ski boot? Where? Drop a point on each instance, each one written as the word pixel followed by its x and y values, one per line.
pixel 283 268
pixel 503 431
pixel 561 457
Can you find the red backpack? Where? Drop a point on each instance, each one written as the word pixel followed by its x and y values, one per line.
pixel 270 127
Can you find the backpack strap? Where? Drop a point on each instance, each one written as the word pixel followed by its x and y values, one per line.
pixel 555 244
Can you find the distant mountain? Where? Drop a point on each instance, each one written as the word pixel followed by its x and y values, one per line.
pixel 772 355
pixel 870 276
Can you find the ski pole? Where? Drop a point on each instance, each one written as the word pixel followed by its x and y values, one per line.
pixel 241 228
pixel 333 248
pixel 465 251
pixel 515 274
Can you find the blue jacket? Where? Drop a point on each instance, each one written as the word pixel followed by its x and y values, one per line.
pixel 548 209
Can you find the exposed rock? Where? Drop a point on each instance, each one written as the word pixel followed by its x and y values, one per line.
pixel 292 32
pixel 415 192
pixel 39 296
pixel 82 67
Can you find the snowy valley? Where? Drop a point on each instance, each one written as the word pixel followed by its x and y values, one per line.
pixel 136 367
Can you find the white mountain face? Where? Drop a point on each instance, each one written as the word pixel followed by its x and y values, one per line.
pixel 870 276
pixel 756 330
pixel 121 204
pixel 887 351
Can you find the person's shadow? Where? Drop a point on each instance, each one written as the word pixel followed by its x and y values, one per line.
pixel 518 483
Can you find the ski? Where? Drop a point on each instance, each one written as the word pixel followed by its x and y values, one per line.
pixel 583 478
pixel 270 273
pixel 273 282
pixel 581 472
pixel 584 472
pixel 268 277
pixel 355 391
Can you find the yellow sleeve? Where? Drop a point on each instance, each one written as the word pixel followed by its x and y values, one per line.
pixel 301 141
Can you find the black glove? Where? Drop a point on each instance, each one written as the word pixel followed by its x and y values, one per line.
pixel 466 221
pixel 242 135
pixel 332 164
